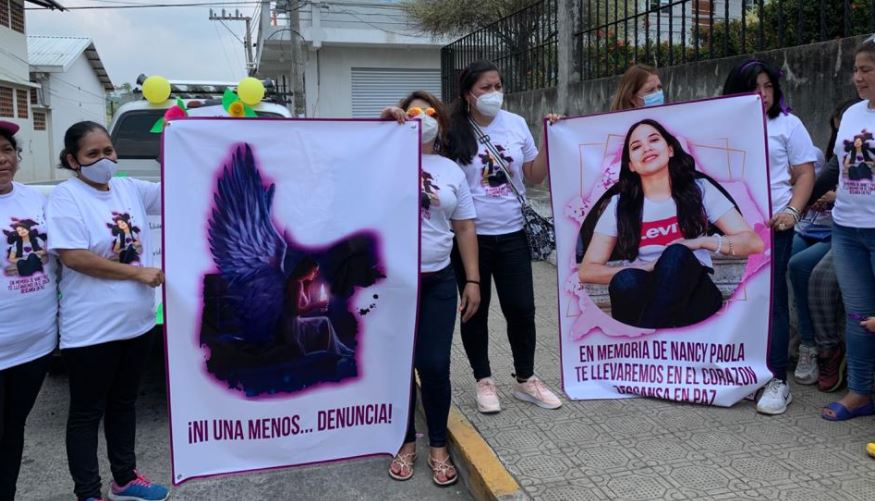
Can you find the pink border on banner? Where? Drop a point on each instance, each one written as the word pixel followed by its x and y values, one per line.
pixel 768 215
pixel 166 326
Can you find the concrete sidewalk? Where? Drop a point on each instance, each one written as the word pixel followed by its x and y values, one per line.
pixel 44 474
pixel 648 449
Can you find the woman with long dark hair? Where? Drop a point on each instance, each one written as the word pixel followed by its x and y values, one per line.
pixel 28 308
pixel 659 225
pixel 127 238
pixel 107 310
pixel 26 253
pixel 479 132
pixel 446 210
pixel 791 174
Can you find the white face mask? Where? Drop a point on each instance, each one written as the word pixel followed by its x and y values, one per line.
pixel 99 172
pixel 429 129
pixel 490 103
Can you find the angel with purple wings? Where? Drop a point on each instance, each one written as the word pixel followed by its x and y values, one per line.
pixel 277 315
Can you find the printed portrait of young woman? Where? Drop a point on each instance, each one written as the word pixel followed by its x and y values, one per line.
pixel 651 237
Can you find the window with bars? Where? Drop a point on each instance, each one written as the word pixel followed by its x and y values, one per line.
pixel 39 120
pixel 33 97
pixel 4 13
pixel 6 108
pixel 17 16
pixel 21 95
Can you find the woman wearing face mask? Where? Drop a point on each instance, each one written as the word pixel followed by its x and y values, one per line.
pixel 639 87
pixel 445 209
pixel 503 248
pixel 28 308
pixel 791 174
pixel 107 310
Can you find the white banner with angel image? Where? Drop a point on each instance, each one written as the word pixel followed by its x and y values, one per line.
pixel 663 251
pixel 291 250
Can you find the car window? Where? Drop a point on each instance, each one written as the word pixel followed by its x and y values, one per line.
pixel 132 137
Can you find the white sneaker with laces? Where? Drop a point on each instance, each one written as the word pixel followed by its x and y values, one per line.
pixel 806 369
pixel 534 391
pixel 775 399
pixel 487 396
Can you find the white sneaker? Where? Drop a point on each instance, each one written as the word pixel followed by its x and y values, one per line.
pixel 487 396
pixel 806 369
pixel 534 391
pixel 775 399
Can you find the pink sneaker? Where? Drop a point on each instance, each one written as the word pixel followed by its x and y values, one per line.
pixel 487 396
pixel 534 391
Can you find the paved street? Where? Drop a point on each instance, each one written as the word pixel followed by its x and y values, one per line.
pixel 652 450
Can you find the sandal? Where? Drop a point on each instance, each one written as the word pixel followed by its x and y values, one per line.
pixel 842 413
pixel 404 460
pixel 443 467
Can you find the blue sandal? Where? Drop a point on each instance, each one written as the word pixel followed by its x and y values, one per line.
pixel 843 414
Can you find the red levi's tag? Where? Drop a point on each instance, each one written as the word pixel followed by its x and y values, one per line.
pixel 661 232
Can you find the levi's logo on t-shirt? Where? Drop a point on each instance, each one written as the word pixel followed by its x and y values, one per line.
pixel 661 232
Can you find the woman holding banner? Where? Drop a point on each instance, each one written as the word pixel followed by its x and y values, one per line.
pixel 480 132
pixel 28 307
pixel 658 222
pixel 107 310
pixel 446 209
pixel 639 87
pixel 791 173
pixel 853 237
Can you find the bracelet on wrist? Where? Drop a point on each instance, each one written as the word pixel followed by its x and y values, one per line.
pixel 472 282
pixel 731 250
pixel 719 238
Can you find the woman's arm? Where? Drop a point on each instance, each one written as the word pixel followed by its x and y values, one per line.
pixel 536 171
pixel 12 258
pixel 466 236
pixel 593 268
pixel 89 263
pixel 736 232
pixel 804 176
pixel 826 181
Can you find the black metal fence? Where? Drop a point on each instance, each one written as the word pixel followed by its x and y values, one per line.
pixel 617 33
pixel 524 46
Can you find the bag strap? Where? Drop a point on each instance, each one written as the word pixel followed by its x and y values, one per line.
pixel 482 138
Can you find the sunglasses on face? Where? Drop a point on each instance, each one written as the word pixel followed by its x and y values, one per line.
pixel 416 111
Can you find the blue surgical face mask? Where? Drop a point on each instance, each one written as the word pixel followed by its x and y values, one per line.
pixel 654 98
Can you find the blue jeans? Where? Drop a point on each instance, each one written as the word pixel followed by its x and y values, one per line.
pixel 854 251
pixel 434 339
pixel 678 292
pixel 805 255
pixel 779 340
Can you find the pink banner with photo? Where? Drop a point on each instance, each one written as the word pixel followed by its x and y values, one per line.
pixel 663 252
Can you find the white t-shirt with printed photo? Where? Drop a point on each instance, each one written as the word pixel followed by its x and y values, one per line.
pixel 498 210
pixel 659 223
pixel 28 280
pixel 113 225
pixel 444 197
pixel 855 150
pixel 789 145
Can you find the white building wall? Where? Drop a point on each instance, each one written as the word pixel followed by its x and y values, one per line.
pixel 329 73
pixel 73 96
pixel 13 57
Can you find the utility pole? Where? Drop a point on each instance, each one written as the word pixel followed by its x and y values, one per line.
pixel 247 37
pixel 299 106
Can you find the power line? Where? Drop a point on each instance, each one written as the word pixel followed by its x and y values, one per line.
pixel 155 6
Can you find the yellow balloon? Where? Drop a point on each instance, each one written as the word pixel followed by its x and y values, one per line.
pixel 250 91
pixel 156 89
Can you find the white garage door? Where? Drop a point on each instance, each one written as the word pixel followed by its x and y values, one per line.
pixel 375 88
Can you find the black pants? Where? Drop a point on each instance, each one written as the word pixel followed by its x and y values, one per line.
pixel 104 382
pixel 19 387
pixel 506 259
pixel 676 293
pixel 434 339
